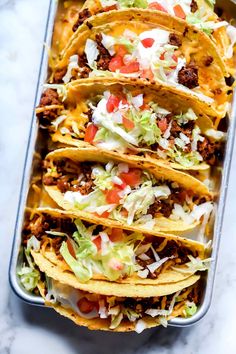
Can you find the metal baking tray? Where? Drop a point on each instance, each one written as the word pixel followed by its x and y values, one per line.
pixel 38 146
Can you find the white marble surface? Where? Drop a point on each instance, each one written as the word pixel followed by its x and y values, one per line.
pixel 25 329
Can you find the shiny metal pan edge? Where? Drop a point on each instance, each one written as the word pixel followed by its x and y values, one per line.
pixel 27 173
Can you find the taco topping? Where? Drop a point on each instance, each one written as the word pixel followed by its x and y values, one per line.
pixel 152 54
pixel 117 309
pixel 123 193
pixel 199 14
pixel 114 253
pixel 126 123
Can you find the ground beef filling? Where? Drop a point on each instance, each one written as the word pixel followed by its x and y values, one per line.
pixel 68 181
pixel 175 40
pixel 104 57
pixel 58 75
pixel 165 206
pixel 49 97
pixel 188 76
pixel 194 6
pixel 140 305
pixel 210 152
pixel 42 223
pixel 82 16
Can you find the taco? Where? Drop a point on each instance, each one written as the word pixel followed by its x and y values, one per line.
pixel 147 47
pixel 134 120
pixel 89 251
pixel 199 13
pixel 124 190
pixel 99 311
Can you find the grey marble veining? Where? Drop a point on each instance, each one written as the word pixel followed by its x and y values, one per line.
pixel 25 329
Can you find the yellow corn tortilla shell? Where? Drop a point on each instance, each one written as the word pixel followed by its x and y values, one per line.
pixel 79 92
pixel 99 323
pixel 169 276
pixel 159 170
pixel 57 213
pixel 110 288
pixel 219 36
pixel 196 46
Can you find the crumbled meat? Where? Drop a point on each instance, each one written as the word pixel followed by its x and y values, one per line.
pixel 194 6
pixel 84 189
pixel 62 184
pixel 89 114
pixel 160 206
pixel 49 97
pixel 209 151
pixel 188 76
pixel 229 80
pixel 104 57
pixel 138 305
pixel 58 75
pixel 82 60
pixel 174 39
pixel 185 129
pixel 82 16
pixel 49 181
pixel 85 168
pixel 208 60
pixel 38 225
pixel 84 68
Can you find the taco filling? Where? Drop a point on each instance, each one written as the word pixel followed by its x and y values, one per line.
pixel 96 252
pixel 115 311
pixel 123 193
pixel 153 55
pixel 198 13
pixel 132 124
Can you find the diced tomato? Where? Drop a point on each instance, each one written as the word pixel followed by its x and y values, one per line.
pixel 147 42
pixel 105 214
pixel 156 6
pixel 144 106
pixel 97 241
pixel 147 74
pixel 174 57
pixel 121 186
pixel 132 67
pixel 179 12
pixel 124 212
pixel 121 50
pixel 162 124
pixel 112 103
pixel 70 248
pixel 127 123
pixel 162 56
pixel 131 178
pixel 116 63
pixel 109 8
pixel 116 235
pixel 85 305
pixel 124 101
pixel 90 133
pixel 112 196
pixel 115 264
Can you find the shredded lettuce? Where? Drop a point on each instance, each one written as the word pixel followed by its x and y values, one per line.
pixel 28 274
pixel 29 277
pixel 138 201
pixel 133 3
pixel 190 309
pixel 113 260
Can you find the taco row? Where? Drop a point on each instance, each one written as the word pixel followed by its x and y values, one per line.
pixel 134 105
